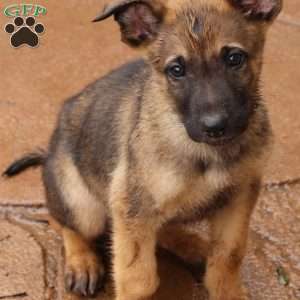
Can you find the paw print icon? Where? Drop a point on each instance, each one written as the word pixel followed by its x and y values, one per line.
pixel 24 32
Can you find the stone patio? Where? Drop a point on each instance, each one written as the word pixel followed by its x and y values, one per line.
pixel 75 52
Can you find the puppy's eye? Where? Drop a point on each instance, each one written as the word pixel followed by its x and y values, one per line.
pixel 176 69
pixel 235 58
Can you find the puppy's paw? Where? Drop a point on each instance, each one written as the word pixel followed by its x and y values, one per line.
pixel 83 274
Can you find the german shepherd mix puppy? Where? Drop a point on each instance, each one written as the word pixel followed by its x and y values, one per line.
pixel 180 136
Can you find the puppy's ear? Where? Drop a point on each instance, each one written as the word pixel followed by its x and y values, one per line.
pixel 266 10
pixel 139 20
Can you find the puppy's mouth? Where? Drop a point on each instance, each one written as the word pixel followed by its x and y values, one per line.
pixel 227 137
pixel 226 140
pixel 221 141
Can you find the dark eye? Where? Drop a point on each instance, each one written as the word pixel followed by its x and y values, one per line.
pixel 176 69
pixel 235 58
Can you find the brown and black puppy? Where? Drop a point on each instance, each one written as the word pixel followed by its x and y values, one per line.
pixel 180 136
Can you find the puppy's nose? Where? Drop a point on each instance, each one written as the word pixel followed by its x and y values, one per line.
pixel 214 125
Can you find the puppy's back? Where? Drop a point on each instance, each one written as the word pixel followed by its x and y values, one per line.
pixel 89 126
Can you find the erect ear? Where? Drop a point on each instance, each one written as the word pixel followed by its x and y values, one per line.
pixel 259 9
pixel 139 20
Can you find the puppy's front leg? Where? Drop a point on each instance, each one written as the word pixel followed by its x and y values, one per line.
pixel 135 267
pixel 229 239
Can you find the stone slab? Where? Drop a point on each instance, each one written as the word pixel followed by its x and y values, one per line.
pixel 291 12
pixel 22 269
pixel 281 89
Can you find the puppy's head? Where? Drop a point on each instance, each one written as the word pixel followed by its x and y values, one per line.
pixel 206 56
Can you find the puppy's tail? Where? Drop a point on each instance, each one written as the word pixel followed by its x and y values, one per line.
pixel 31 160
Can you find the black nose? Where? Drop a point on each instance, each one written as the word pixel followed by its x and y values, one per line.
pixel 214 125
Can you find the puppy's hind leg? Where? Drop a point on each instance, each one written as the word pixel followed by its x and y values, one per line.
pixel 83 219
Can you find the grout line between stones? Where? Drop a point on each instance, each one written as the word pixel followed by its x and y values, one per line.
pixel 288 20
pixel 26 206
pixel 284 183
pixel 19 295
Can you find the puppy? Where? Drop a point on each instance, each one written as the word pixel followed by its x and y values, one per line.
pixel 179 136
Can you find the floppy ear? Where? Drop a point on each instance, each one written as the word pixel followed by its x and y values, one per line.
pixel 266 10
pixel 139 20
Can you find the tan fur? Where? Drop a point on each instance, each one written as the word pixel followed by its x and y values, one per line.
pixel 89 214
pixel 135 266
pixel 178 4
pixel 229 240
pixel 123 153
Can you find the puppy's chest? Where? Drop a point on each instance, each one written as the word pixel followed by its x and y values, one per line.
pixel 177 192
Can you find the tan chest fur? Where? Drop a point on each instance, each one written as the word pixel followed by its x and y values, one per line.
pixel 176 190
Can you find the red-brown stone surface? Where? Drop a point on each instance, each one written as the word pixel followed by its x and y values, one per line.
pixel 74 52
